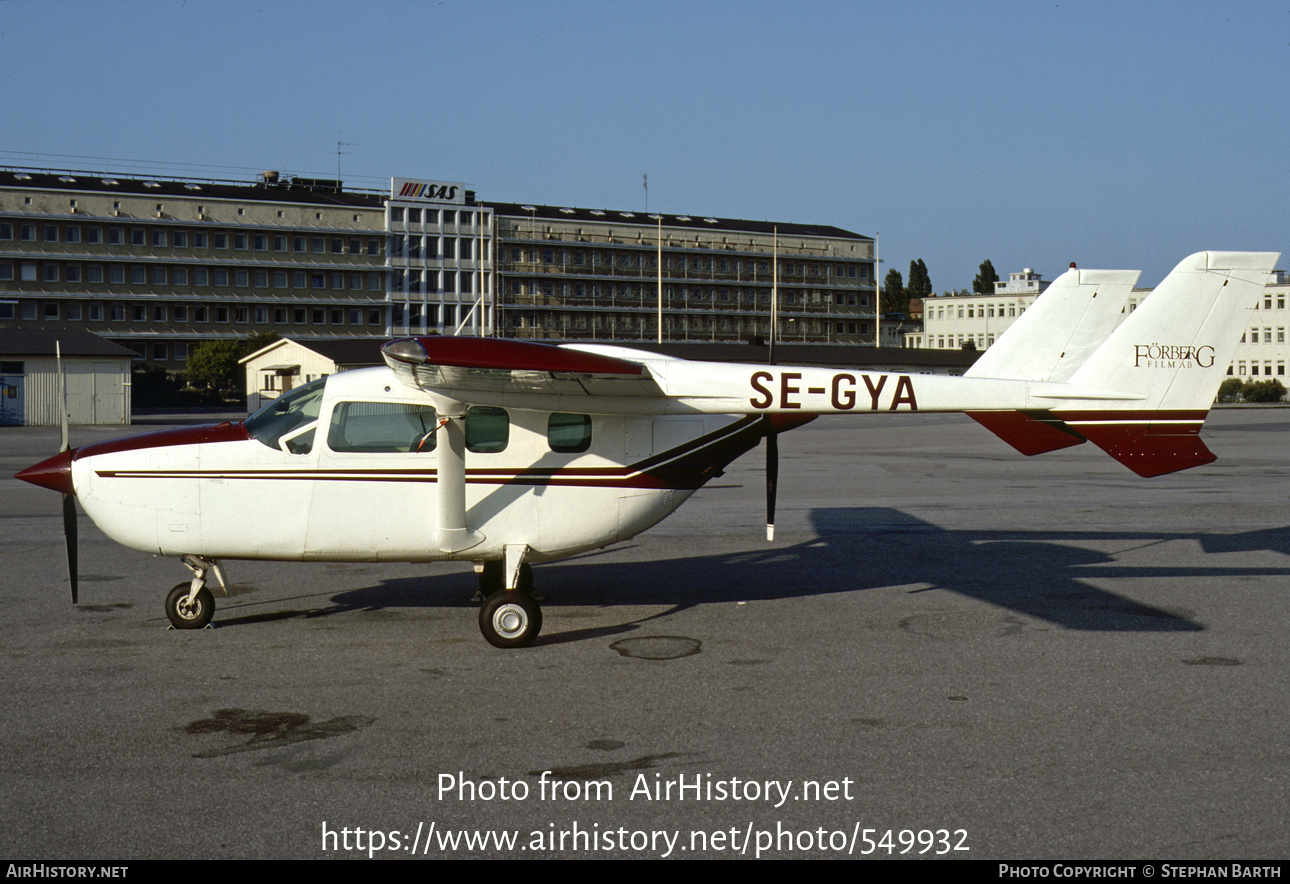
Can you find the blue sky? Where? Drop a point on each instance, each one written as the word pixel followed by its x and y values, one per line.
pixel 1114 134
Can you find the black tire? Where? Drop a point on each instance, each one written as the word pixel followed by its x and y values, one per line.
pixel 510 619
pixel 195 617
pixel 492 579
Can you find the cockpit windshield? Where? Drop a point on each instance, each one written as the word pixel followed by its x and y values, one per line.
pixel 286 414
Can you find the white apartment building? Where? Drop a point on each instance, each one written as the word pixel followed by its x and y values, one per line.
pixel 1263 353
pixel 952 322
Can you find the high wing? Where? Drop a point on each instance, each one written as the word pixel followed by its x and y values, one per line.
pixel 598 379
pixel 491 367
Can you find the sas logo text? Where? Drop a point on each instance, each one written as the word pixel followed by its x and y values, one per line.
pixel 431 191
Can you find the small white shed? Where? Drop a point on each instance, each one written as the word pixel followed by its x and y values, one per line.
pixel 288 363
pixel 96 372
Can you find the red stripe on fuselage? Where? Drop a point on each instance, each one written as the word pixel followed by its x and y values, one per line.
pixel 685 467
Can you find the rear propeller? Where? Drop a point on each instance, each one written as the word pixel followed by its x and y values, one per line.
pixel 772 475
pixel 772 438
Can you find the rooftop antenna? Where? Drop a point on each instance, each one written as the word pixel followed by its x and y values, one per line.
pixel 339 145
pixel 645 184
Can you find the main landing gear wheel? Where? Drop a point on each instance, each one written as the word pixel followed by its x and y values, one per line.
pixel 185 616
pixel 510 619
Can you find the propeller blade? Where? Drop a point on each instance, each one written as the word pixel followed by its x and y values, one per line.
pixel 69 500
pixel 772 476
pixel 69 532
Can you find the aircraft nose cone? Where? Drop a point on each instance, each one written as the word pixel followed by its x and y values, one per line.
pixel 54 473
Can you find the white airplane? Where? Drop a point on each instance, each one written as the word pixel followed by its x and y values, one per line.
pixel 507 453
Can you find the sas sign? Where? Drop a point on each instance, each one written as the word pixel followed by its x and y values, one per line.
pixel 428 191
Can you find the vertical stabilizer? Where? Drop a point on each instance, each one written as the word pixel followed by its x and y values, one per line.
pixel 1061 329
pixel 1165 362
pixel 1050 341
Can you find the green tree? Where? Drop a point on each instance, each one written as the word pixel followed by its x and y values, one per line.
pixel 1230 389
pixel 1263 391
pixel 920 284
pixel 259 341
pixel 893 292
pixel 983 283
pixel 213 366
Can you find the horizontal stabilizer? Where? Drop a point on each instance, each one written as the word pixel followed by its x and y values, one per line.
pixel 1030 432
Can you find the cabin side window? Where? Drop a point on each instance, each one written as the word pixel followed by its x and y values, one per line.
pixel 382 427
pixel 569 433
pixel 283 422
pixel 488 429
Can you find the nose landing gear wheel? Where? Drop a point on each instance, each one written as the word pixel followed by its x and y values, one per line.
pixel 510 619
pixel 185 616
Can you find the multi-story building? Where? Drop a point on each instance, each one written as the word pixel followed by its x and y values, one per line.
pixel 160 265
pixel 952 322
pixel 599 275
pixel 1263 351
pixel 441 259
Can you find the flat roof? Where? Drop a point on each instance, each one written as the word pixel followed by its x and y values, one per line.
pixel 290 190
pixel 73 342
pixel 651 219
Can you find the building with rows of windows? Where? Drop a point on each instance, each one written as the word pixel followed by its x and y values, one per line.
pixel 588 274
pixel 1262 353
pixel 160 265
pixel 951 322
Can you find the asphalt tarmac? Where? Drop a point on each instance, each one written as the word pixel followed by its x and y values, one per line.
pixel 950 649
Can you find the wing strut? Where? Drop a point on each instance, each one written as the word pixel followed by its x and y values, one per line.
pixel 452 535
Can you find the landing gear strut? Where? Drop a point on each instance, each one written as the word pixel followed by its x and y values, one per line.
pixel 510 617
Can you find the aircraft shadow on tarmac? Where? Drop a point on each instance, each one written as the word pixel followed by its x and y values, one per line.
pixel 1042 574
